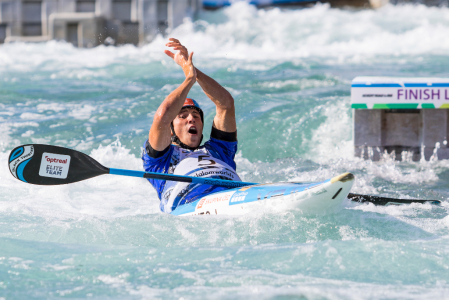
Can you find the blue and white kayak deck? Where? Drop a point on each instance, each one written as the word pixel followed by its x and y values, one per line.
pixel 309 197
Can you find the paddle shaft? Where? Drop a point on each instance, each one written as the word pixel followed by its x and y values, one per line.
pixel 180 178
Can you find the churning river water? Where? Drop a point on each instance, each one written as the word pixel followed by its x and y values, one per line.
pixel 290 73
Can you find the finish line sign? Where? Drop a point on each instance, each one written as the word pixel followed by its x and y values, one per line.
pixel 399 93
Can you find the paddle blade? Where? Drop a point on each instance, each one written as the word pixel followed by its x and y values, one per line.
pixel 377 200
pixel 52 165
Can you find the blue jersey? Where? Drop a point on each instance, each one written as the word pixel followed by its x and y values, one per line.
pixel 215 159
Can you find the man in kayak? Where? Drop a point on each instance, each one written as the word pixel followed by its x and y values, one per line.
pixel 175 136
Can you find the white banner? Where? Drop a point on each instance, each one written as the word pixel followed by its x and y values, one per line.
pixel 407 93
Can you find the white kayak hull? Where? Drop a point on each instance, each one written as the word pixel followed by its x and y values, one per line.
pixel 317 197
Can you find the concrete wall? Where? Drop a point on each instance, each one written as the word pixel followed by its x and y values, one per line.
pixel 123 21
pixel 416 131
pixel 81 29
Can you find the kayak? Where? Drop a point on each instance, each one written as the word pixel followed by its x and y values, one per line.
pixel 316 197
pixel 54 165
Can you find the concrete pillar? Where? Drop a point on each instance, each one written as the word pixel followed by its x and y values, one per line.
pixel 178 10
pixel 435 130
pixel 367 133
pixel 147 20
pixel 402 128
pixel 134 10
pixel 48 7
pixel 416 131
pixel 16 24
pixel 7 12
pixel 103 8
pixel 7 17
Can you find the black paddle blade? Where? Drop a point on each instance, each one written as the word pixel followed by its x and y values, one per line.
pixel 376 200
pixel 52 165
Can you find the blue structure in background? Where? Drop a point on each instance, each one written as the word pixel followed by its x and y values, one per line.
pixel 220 3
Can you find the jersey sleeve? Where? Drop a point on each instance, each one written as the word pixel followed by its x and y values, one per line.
pixel 222 149
pixel 158 164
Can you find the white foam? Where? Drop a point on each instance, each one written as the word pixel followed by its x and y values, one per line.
pixel 31 116
pixel 333 137
pixel 320 31
pixel 53 106
pixel 82 111
pixel 28 133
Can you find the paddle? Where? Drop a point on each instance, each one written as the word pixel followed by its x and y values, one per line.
pixel 377 200
pixel 53 165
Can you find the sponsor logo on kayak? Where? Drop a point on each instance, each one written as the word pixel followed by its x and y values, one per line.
pixel 54 165
pixel 215 199
pixel 238 197
pixel 229 184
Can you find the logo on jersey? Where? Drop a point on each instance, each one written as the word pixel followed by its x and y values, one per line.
pixel 216 173
pixel 199 163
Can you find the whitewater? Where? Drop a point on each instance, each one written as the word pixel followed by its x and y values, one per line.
pixel 289 71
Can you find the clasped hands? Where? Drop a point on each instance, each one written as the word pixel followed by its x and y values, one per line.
pixel 182 58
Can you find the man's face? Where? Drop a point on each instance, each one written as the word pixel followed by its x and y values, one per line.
pixel 188 127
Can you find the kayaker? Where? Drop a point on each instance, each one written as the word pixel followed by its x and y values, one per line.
pixel 175 136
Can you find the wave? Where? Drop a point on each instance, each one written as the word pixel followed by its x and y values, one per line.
pixel 244 32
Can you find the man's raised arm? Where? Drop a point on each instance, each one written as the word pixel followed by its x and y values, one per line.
pixel 160 132
pixel 225 117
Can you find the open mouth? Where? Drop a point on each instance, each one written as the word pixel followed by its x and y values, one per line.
pixel 193 130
